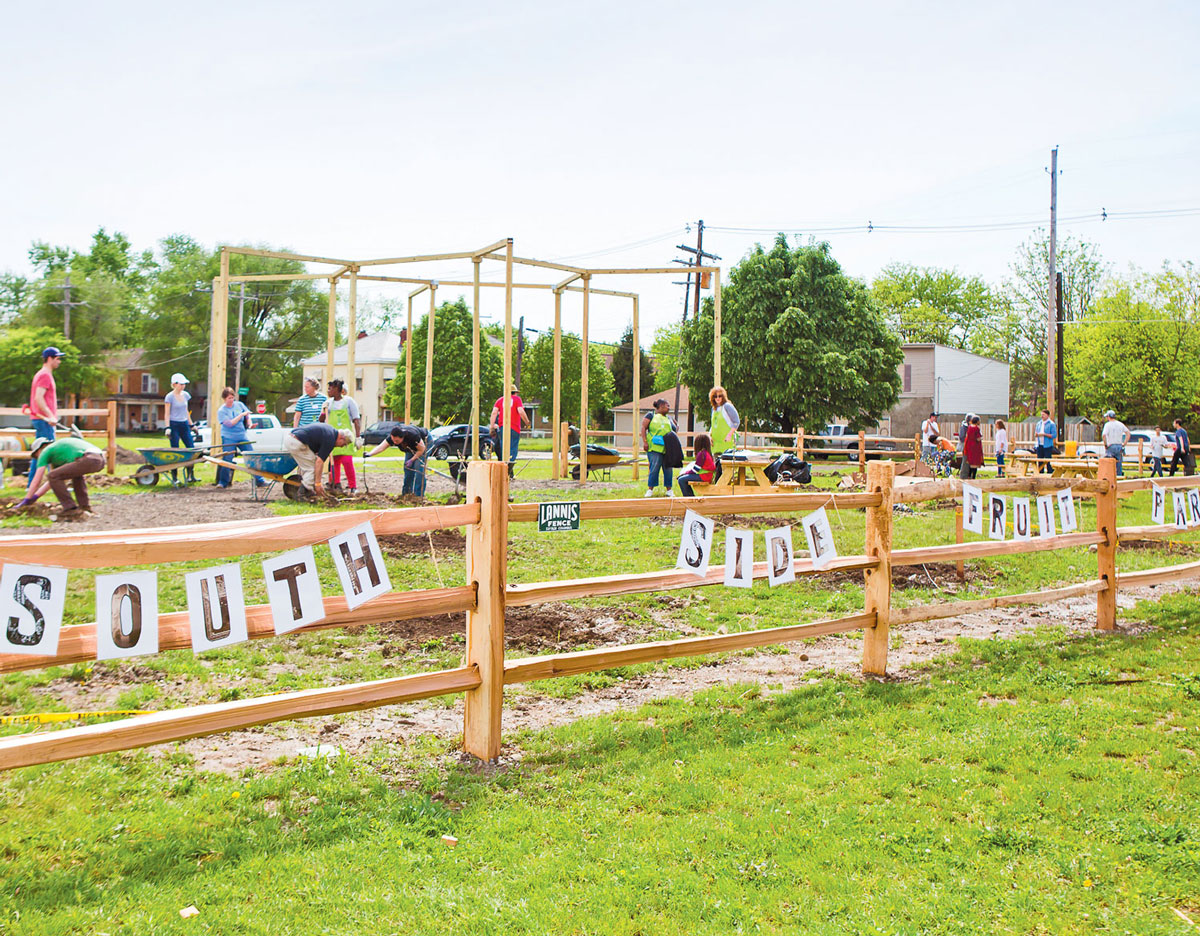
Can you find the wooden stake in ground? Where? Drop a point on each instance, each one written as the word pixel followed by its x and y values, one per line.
pixel 583 385
pixel 429 356
pixel 1106 552
pixel 559 439
pixel 352 333
pixel 111 426
pixel 880 477
pixel 331 339
pixel 637 391
pixel 487 571
pixel 475 364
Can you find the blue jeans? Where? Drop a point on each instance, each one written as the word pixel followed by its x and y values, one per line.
pixel 1156 467
pixel 1117 451
pixel 414 477
pixel 656 465
pixel 1044 453
pixel 41 430
pixel 181 435
pixel 229 452
pixel 514 442
pixel 687 479
pixel 1000 464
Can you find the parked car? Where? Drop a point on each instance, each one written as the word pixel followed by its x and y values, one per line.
pixel 265 433
pixel 455 440
pixel 846 443
pixel 377 432
pixel 1096 449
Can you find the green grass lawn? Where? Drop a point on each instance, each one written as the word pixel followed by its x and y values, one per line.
pixel 1041 785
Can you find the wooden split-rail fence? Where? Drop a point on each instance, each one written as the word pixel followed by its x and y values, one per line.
pixel 486 669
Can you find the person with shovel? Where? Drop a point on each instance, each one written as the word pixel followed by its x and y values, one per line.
pixel 69 459
pixel 411 441
pixel 43 402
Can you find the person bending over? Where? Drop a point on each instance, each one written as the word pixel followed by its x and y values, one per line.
pixel 311 446
pixel 411 441
pixel 58 462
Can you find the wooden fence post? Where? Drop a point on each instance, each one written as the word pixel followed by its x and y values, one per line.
pixel 917 447
pixel 112 436
pixel 800 442
pixel 862 450
pixel 1141 460
pixel 880 476
pixel 564 447
pixel 1106 552
pixel 959 568
pixel 487 571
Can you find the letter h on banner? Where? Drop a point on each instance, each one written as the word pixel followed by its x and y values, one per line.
pixel 363 576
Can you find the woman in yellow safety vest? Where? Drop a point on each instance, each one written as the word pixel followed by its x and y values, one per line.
pixel 723 425
pixel 655 427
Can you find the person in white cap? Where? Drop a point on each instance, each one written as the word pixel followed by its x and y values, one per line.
pixel 1115 434
pixel 180 420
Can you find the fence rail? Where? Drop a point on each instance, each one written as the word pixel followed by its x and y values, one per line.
pixel 109 432
pixel 487 595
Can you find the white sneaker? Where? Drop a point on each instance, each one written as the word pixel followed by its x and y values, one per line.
pixel 649 492
pixel 670 492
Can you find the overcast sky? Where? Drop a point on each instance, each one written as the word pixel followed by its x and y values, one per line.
pixel 382 129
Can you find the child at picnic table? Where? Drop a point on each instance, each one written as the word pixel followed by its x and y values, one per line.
pixel 701 470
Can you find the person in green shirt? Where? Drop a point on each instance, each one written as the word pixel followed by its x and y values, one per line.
pixel 66 460
pixel 723 425
pixel 655 426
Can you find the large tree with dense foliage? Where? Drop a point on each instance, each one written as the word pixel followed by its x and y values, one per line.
pixel 21 355
pixel 622 368
pixel 803 344
pixel 537 378
pixel 927 304
pixel 666 356
pixel 451 383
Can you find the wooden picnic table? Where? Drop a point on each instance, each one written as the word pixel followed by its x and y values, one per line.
pixel 1021 466
pixel 743 477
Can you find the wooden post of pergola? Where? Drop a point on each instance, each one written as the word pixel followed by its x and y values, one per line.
pixel 506 441
pixel 555 431
pixel 331 343
pixel 717 328
pixel 352 332
pixel 583 382
pixel 475 363
pixel 429 354
pixel 219 340
pixel 408 358
pixel 637 393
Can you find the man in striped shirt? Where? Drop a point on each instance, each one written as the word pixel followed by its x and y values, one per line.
pixel 309 406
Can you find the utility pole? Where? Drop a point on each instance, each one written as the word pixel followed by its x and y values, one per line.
pixel 1061 414
pixel 1052 302
pixel 237 364
pixel 698 256
pixel 67 305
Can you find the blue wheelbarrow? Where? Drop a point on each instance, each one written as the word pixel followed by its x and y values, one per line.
pixel 268 469
pixel 160 460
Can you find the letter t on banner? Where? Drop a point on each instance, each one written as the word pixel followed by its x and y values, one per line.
pixel 294 589
pixel 359 562
pixel 126 615
pixel 31 608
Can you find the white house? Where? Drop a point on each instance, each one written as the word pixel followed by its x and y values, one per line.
pixel 376 359
pixel 936 378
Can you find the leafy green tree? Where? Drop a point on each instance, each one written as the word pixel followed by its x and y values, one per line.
pixel 451 399
pixel 537 378
pixel 666 356
pixel 622 368
pixel 927 304
pixel 21 355
pixel 14 293
pixel 803 344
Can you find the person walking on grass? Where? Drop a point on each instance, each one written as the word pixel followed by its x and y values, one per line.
pixel 498 423
pixel 972 451
pixel 1158 451
pixel 1001 446
pixel 179 419
pixel 1115 435
pixel 411 441
pixel 312 446
pixel 68 459
pixel 655 427
pixel 309 404
pixel 701 470
pixel 341 412
pixel 234 419
pixel 43 402
pixel 1183 451
pixel 1046 433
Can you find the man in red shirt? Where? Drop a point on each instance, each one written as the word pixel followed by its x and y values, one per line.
pixel 43 400
pixel 498 422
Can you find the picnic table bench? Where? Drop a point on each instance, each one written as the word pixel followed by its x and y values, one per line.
pixel 747 476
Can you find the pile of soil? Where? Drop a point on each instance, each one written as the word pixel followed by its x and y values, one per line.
pixel 127 457
pixel 416 545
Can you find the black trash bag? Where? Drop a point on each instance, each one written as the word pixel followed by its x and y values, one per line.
pixel 789 468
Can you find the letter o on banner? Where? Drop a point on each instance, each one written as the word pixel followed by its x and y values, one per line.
pixel 126 615
pixel 31 608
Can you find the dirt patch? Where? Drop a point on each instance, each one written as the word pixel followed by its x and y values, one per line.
pixel 416 545
pixel 128 457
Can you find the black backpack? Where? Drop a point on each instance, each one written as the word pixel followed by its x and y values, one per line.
pixel 789 468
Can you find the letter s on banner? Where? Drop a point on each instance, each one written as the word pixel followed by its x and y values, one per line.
pixel 216 607
pixel 294 589
pixel 359 562
pixel 31 608
pixel 695 544
pixel 126 615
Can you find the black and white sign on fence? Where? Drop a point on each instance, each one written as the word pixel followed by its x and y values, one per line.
pixel 739 558
pixel 294 589
pixel 819 534
pixel 1045 508
pixel 216 607
pixel 997 516
pixel 359 563
pixel 972 508
pixel 1180 509
pixel 1158 504
pixel 1193 499
pixel 31 608
pixel 695 544
pixel 126 615
pixel 780 566
pixel 1066 510
pixel 1022 521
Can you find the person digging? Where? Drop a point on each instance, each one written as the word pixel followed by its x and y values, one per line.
pixel 59 462
pixel 312 446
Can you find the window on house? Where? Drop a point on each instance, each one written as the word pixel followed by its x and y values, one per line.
pixel 357 383
pixel 121 383
pixel 908 378
pixel 149 384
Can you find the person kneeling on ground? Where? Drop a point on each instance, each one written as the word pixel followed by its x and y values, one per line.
pixel 701 470
pixel 312 445
pixel 409 439
pixel 59 462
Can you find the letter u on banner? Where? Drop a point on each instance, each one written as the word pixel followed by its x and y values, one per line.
pixel 31 608
pixel 780 566
pixel 216 607
pixel 997 516
pixel 294 589
pixel 972 508
pixel 126 615
pixel 695 544
pixel 739 558
pixel 359 562
pixel 1022 523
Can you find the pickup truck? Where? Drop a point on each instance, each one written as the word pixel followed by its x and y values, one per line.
pixel 265 433
pixel 1096 449
pixel 846 443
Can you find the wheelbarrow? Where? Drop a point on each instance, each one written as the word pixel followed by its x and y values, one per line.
pixel 269 467
pixel 167 459
pixel 601 459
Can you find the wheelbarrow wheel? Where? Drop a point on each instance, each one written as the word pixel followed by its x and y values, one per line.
pixel 291 487
pixel 146 476
pixel 575 473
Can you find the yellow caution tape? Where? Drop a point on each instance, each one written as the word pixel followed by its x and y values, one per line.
pixel 47 718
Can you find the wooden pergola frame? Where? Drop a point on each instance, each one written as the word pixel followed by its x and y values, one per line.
pixel 501 250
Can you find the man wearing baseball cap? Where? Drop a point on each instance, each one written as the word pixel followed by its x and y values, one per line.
pixel 68 459
pixel 43 401
pixel 1115 434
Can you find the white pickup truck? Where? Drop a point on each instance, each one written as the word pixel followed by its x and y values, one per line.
pixel 265 433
